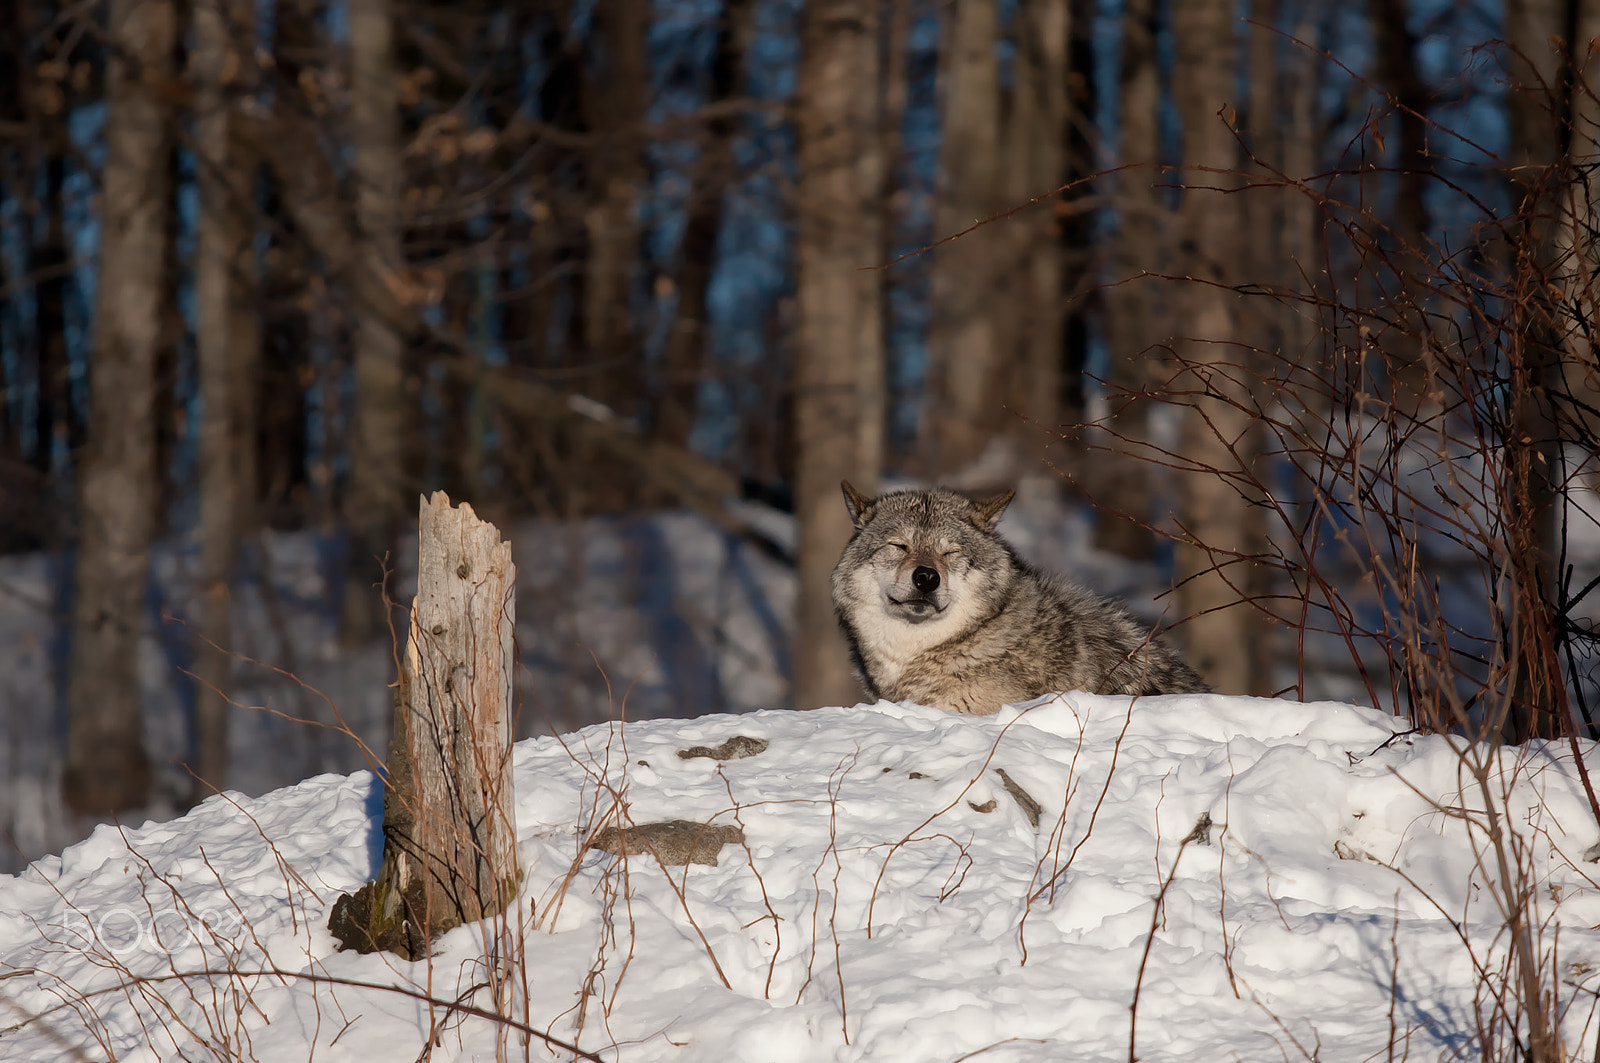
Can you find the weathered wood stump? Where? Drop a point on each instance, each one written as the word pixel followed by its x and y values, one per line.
pixel 449 853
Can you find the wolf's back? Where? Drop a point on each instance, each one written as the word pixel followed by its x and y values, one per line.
pixel 1097 645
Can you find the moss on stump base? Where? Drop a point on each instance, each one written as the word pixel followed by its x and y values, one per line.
pixel 379 918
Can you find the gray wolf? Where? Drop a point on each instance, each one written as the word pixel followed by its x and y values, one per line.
pixel 938 609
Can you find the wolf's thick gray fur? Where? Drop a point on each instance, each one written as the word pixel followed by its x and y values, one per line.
pixel 939 610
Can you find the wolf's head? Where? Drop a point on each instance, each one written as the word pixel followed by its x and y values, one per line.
pixel 922 566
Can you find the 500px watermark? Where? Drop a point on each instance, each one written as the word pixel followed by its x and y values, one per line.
pixel 125 931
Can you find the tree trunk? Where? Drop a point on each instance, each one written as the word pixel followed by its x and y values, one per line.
pixel 1081 259
pixel 44 106
pixel 61 428
pixel 1260 208
pixel 165 406
pixel 1551 148
pixel 965 362
pixel 284 489
pixel 373 498
pixel 1036 135
pixel 615 95
pixel 1137 324
pixel 449 824
pixel 107 770
pixel 1404 342
pixel 895 83
pixel 1264 320
pixel 685 356
pixel 1399 76
pixel 227 347
pixel 839 331
pixel 1216 436
pixel 1301 234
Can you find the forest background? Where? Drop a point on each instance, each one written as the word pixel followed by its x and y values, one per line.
pixel 1290 300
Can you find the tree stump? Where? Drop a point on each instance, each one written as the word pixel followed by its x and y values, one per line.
pixel 449 853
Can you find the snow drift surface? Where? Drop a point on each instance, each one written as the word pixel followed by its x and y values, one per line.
pixel 892 899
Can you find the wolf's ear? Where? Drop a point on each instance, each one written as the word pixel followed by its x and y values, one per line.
pixel 859 505
pixel 986 511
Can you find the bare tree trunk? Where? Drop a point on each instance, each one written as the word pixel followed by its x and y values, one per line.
pixel 228 341
pixel 965 363
pixel 1404 343
pixel 1260 208
pixel 449 821
pixel 1550 149
pixel 894 95
pixel 685 356
pixel 1221 630
pixel 1579 280
pixel 1301 236
pixel 1036 135
pixel 285 489
pixel 1264 321
pixel 107 769
pixel 165 410
pixel 1398 74
pixel 1081 260
pixel 839 327
pixel 1137 324
pixel 377 465
pixel 44 107
pixel 616 94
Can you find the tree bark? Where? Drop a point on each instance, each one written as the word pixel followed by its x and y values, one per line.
pixel 685 356
pixel 107 770
pixel 965 363
pixel 1405 342
pixel 615 96
pixel 839 331
pixel 43 106
pixel 1081 260
pixel 227 342
pixel 377 459
pixel 449 822
pixel 1137 323
pixel 1032 278
pixel 285 490
pixel 1551 116
pixel 1216 436
pixel 1301 234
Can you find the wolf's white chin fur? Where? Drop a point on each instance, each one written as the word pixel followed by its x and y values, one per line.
pixel 893 641
pixel 913 612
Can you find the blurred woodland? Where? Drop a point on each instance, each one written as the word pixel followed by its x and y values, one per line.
pixel 1300 302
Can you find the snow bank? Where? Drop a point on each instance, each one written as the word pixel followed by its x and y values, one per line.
pixel 892 899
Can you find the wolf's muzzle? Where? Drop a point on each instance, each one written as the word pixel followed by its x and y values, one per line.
pixel 915 607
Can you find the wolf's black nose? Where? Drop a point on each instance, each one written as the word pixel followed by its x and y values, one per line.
pixel 925 579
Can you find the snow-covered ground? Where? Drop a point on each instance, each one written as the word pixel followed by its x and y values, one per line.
pixel 1329 887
